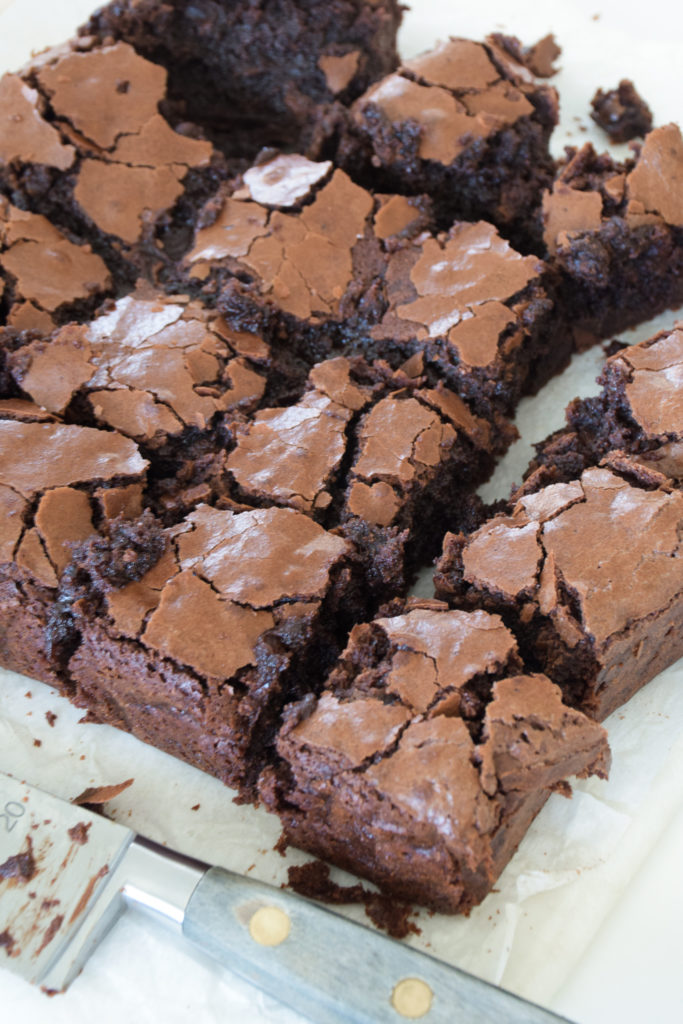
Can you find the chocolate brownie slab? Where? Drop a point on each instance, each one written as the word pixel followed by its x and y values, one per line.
pixel 45 278
pixel 84 143
pixel 336 269
pixel 427 756
pixel 614 234
pixel 465 123
pixel 242 613
pixel 59 483
pixel 637 416
pixel 256 74
pixel 588 574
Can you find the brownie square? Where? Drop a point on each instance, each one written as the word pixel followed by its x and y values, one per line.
pixel 589 576
pixel 636 419
pixel 255 74
pixel 160 369
pixel 465 123
pixel 45 278
pixel 333 268
pixel 427 756
pixel 59 483
pixel 479 314
pixel 242 613
pixel 86 146
pixel 614 235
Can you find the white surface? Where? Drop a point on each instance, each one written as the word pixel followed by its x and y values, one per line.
pixel 586 917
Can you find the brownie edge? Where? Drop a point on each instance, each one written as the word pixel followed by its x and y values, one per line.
pixel 427 756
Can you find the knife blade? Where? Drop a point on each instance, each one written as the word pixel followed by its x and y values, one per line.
pixel 66 874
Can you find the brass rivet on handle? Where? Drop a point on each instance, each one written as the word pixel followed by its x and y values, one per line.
pixel 412 998
pixel 269 926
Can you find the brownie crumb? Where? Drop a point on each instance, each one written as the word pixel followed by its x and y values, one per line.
pixel 313 881
pixel 51 718
pixel 195 807
pixel 7 942
pixel 20 865
pixel 37 743
pixel 622 112
pixel 101 794
pixel 79 833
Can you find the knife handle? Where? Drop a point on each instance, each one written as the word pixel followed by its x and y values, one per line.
pixel 332 970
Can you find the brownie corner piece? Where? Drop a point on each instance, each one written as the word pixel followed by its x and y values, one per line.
pixel 588 575
pixel 427 756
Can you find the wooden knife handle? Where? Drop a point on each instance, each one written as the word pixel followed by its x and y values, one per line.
pixel 332 970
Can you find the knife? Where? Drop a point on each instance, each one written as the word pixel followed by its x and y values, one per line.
pixel 66 874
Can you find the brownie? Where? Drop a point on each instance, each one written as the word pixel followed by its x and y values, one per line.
pixel 242 613
pixel 257 74
pixel 427 755
pixel 622 112
pixel 160 369
pixel 638 417
pixel 85 145
pixel 614 235
pixel 379 455
pixel 478 312
pixel 59 483
pixel 336 269
pixel 588 575
pixel 465 123
pixel 45 278
pixel 539 58
pixel 199 398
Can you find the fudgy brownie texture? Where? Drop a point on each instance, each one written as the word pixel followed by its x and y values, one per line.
pixel 637 419
pixel 45 278
pixel 84 144
pixel 465 123
pixel 427 755
pixel 622 112
pixel 59 483
pixel 260 73
pixel 614 235
pixel 300 250
pixel 242 613
pixel 588 574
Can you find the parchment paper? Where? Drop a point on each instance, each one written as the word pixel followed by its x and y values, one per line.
pixel 580 859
